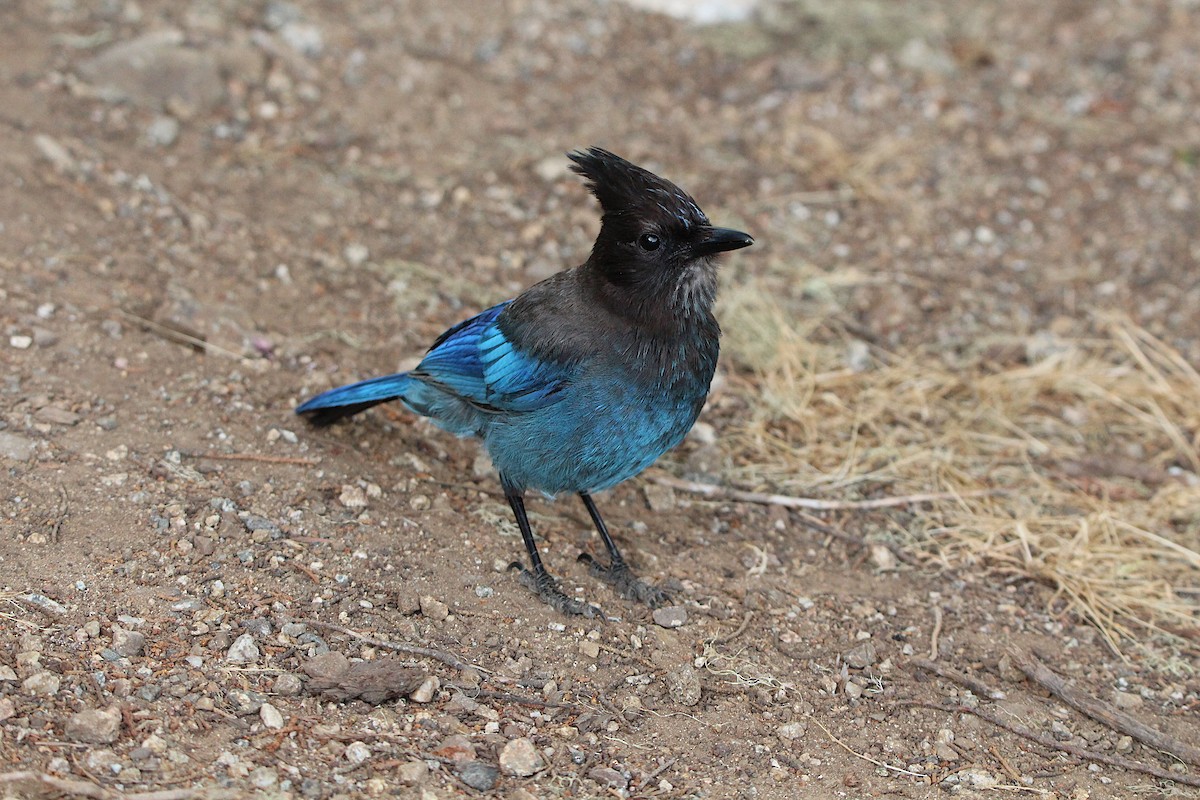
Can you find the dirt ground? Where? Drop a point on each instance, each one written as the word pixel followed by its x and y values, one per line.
pixel 211 210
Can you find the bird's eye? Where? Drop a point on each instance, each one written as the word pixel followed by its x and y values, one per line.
pixel 649 242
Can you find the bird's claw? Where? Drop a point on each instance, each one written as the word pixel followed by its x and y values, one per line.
pixel 545 586
pixel 628 585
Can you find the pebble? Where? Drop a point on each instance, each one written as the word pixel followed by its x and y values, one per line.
pixel 20 341
pixel 243 650
pixel 456 748
pixel 660 499
pixel 589 648
pixel 1060 731
pixel 520 757
pixel 154 70
pixel 44 684
pixel 425 692
pixel 245 703
pixel 860 656
pixel 357 752
pixel 7 673
pixel 127 643
pixel 1127 700
pixel 16 448
pixel 792 731
pixel 433 608
pixel 683 685
pixel 353 496
pixel 263 778
pixel 609 778
pixel 412 772
pixel 270 716
pixel 7 708
pixel 670 616
pixel 478 775
pixel 94 726
pixel 1125 744
pixel 288 685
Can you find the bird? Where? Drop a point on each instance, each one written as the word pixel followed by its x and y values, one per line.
pixel 586 378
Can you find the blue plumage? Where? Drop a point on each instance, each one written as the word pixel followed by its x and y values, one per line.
pixel 588 377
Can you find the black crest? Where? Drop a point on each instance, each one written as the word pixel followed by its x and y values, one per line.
pixel 626 189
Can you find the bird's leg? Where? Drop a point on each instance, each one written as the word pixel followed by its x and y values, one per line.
pixel 617 572
pixel 537 579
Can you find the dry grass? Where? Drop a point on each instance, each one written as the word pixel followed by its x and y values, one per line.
pixel 1093 444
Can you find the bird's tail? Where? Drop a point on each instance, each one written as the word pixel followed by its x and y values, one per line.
pixel 346 401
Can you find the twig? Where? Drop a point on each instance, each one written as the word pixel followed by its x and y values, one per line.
pixel 813 504
pixel 936 633
pixel 61 519
pixel 426 652
pixel 1009 770
pixel 749 615
pixel 297 460
pixel 40 783
pixel 508 697
pixel 949 673
pixel 1100 711
pixel 666 765
pixel 179 337
pixel 866 757
pixel 1053 744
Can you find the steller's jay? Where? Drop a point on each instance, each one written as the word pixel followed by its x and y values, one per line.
pixel 589 376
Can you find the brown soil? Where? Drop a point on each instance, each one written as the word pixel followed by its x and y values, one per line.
pixel 250 224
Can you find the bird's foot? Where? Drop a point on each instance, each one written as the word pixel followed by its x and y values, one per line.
pixel 544 585
pixel 626 583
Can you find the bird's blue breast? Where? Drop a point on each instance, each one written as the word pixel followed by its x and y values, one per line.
pixel 605 429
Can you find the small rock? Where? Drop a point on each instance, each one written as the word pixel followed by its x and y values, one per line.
pixel 792 731
pixel 519 757
pixel 287 685
pixel 1060 731
pixel 660 499
pixel 861 656
pixel 128 643
pixel 7 673
pixel 980 779
pixel 243 650
pixel 7 708
pixel 53 151
pixel 433 608
pixel 357 752
pixel 478 775
pixel 44 684
pixel 425 692
pixel 163 131
pixel 56 416
pixel 609 778
pixel 16 448
pixel 270 716
pixel 670 616
pixel 245 703
pixel 327 668
pixel 156 70
pixel 94 726
pixel 21 341
pixel 353 496
pixel 1124 744
pixel 412 772
pixel 263 777
pixel 456 748
pixel 589 648
pixel 683 685
pixel 1127 700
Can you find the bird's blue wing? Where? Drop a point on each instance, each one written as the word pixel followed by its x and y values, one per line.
pixel 475 361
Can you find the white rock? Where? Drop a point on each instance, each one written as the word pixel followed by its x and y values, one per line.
pixel 243 650
pixel 270 716
pixel 520 757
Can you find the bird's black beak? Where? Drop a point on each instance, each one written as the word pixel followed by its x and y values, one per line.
pixel 719 240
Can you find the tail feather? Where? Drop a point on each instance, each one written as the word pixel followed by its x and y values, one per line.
pixel 346 401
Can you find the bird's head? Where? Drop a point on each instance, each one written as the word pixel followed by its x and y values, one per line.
pixel 655 244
